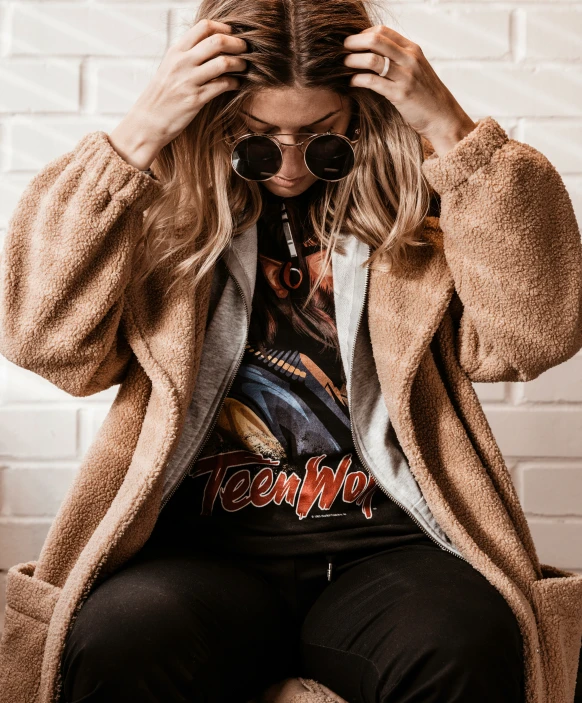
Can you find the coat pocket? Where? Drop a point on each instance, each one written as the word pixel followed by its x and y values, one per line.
pixel 30 603
pixel 557 600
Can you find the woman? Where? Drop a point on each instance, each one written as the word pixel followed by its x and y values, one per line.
pixel 295 495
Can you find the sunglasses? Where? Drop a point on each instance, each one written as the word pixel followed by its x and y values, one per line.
pixel 258 157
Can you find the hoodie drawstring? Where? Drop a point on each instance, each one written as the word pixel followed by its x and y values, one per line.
pixel 329 568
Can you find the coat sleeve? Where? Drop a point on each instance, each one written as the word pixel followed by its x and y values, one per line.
pixel 65 264
pixel 513 246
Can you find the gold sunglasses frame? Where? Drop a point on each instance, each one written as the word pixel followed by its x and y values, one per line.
pixel 273 138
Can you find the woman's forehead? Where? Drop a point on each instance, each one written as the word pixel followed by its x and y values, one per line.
pixel 291 106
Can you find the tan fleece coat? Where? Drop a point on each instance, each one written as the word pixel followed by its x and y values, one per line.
pixel 497 298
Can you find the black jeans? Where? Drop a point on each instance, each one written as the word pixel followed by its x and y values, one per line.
pixel 408 624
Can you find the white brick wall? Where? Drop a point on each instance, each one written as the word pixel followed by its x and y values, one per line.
pixel 67 68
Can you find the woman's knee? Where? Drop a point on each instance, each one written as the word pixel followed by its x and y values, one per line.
pixel 125 636
pixel 470 650
pixel 487 638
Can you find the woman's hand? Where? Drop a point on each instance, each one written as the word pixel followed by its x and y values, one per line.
pixel 190 75
pixel 411 85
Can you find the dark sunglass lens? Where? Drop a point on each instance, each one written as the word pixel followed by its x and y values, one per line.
pixel 329 157
pixel 256 158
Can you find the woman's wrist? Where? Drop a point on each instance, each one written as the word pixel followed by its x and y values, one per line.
pixel 134 146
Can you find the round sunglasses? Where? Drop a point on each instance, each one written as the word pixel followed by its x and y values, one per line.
pixel 258 157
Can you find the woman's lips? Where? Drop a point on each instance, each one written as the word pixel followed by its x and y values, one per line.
pixel 279 180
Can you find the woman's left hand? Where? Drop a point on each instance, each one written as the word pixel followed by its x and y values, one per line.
pixel 411 85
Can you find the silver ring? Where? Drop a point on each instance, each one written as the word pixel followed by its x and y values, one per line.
pixel 386 67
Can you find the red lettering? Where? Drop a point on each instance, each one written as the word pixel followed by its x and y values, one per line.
pixel 365 498
pixel 354 485
pixel 217 473
pixel 217 465
pixel 320 485
pixel 323 484
pixel 234 494
pixel 260 488
pixel 285 487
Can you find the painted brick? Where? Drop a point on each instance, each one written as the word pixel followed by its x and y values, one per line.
pixel 554 33
pixel 558 542
pixel 551 490
pixel 34 85
pixel 489 392
pixel 34 492
pixel 574 187
pixel 114 86
pixel 561 383
pixel 33 143
pixel 38 432
pixel 94 30
pixel 504 89
pixel 455 33
pixel 560 140
pixel 4 36
pixel 21 539
pixel 23 386
pixel 537 432
pixel 3 147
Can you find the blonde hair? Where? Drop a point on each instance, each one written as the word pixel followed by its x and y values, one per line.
pixel 203 203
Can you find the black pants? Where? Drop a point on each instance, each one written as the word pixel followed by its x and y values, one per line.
pixel 408 624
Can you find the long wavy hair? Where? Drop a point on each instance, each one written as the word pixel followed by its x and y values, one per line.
pixel 203 203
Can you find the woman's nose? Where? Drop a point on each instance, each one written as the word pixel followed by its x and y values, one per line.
pixel 293 161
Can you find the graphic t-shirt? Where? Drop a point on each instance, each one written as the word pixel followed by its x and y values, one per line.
pixel 279 474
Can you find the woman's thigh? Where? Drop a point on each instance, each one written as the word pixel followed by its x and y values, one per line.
pixel 414 624
pixel 176 626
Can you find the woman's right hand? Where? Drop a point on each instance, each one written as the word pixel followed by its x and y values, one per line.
pixel 190 75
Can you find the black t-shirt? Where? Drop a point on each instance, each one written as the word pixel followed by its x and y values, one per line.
pixel 279 474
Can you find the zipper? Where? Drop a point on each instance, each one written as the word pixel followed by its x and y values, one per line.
pixel 219 408
pixel 378 483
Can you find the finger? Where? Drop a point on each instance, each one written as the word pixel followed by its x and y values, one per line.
pixel 214 45
pixel 374 82
pixel 376 41
pixel 216 86
pixel 372 62
pixel 203 28
pixel 217 66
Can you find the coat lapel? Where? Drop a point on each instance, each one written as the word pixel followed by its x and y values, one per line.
pixel 404 311
pixel 169 327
